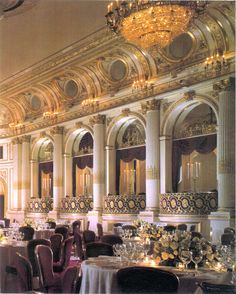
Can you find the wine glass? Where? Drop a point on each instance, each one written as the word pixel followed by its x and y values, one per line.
pixel 196 256
pixel 185 256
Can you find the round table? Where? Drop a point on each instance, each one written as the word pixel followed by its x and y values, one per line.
pixel 99 276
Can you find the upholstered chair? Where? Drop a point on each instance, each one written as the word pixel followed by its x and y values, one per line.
pixel 24 274
pixel 63 230
pixel 99 231
pixel 63 263
pixel 111 239
pixel 79 245
pixel 56 245
pixel 98 248
pixel 88 236
pixel 28 232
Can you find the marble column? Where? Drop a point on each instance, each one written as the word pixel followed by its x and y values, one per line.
pixel 25 171
pixel 68 163
pixel 57 133
pixel 152 110
pixel 17 173
pixel 98 123
pixel 111 170
pixel 166 164
pixel 225 216
pixel 34 176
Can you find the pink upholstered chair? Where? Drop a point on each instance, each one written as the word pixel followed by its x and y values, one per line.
pixel 69 279
pixel 111 239
pixel 24 274
pixel 56 245
pixel 99 230
pixel 62 264
pixel 79 245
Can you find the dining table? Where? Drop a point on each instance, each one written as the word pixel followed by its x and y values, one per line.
pixel 8 251
pixel 99 276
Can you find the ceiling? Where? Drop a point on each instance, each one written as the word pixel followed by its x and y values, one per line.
pixel 39 28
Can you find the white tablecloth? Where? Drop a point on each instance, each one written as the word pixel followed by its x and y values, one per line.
pixel 99 276
pixel 7 257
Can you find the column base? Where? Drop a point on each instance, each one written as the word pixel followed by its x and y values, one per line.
pixel 94 217
pixel 18 215
pixel 219 220
pixel 54 214
pixel 149 215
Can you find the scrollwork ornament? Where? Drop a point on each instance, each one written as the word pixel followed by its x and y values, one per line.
pixel 190 95
pixel 150 105
pixel 225 85
pixel 97 120
pixel 58 130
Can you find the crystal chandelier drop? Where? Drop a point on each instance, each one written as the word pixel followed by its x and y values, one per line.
pixel 147 23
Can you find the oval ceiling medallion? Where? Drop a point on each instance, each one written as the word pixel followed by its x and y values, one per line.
pixel 71 88
pixel 117 70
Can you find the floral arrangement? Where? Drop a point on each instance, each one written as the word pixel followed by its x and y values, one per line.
pixel 2 237
pixel 145 230
pixel 50 220
pixel 29 222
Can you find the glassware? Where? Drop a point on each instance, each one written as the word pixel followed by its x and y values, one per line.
pixel 196 256
pixel 185 256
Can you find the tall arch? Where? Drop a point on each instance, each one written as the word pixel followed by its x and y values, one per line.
pixel 4 194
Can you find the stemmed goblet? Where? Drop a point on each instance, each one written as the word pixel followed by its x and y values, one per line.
pixel 185 256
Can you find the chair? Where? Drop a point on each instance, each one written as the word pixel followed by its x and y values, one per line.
pixel 111 239
pixel 24 274
pixel 192 228
pixel 170 228
pixel 89 236
pixel 146 280
pixel 88 224
pixel 51 224
pixel 49 281
pixel 98 248
pixel 31 253
pixel 76 226
pixel 56 244
pixel 79 245
pixel 217 288
pixel 229 230
pixel 196 235
pixel 7 222
pixel 182 227
pixel 115 225
pixel 63 230
pixel 63 263
pixel 28 232
pixel 227 239
pixel 69 279
pixel 100 230
pixel 130 227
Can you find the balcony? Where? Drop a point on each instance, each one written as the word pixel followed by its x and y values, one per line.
pixel 40 205
pixel 80 204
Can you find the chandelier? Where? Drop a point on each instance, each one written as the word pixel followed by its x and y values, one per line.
pixel 147 22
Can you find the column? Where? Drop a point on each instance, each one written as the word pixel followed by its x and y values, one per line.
pixel 25 171
pixel 17 184
pixel 98 123
pixel 166 164
pixel 57 133
pixel 225 216
pixel 111 170
pixel 34 176
pixel 152 109
pixel 68 175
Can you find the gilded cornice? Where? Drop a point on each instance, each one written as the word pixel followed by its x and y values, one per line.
pixel 58 130
pixel 26 139
pixel 225 85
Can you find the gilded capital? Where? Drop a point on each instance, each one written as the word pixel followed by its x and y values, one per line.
pixel 188 96
pixel 79 125
pixel 42 135
pixel 225 85
pixel 125 112
pixel 16 141
pixel 150 105
pixel 57 130
pixel 26 139
pixel 97 119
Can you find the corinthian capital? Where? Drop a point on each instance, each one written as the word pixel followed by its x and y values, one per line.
pixel 97 119
pixel 26 139
pixel 16 141
pixel 150 105
pixel 225 85
pixel 57 130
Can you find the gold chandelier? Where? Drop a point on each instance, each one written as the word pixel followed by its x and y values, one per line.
pixel 147 23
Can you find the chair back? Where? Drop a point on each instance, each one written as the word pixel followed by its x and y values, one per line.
pixel 100 230
pixel 51 224
pixel 192 228
pixel 76 226
pixel 63 230
pixel 31 253
pixel 112 239
pixel 28 232
pixel 170 228
pixel 196 235
pixel 115 225
pixel 182 227
pixel 88 236
pixel 217 288
pixel 229 230
pixel 56 244
pixel 7 222
pixel 66 252
pixel 24 274
pixel 227 239
pixel 98 248
pixel 88 224
pixel 146 280
pixel 45 265
pixel 79 245
pixel 69 279
pixel 130 227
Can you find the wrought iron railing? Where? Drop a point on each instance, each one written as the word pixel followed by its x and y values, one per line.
pixel 124 204
pixel 40 205
pixel 190 203
pixel 80 204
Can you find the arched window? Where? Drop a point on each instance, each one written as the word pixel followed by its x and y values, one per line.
pixel 83 164
pixel 46 169
pixel 130 159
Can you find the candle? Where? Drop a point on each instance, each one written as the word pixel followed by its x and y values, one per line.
pixel 199 168
pixel 196 168
pixel 191 170
pixel 188 170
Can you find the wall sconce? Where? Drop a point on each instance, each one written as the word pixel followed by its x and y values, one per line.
pixel 16 127
pixel 50 114
pixel 216 63
pixel 91 103
pixel 141 84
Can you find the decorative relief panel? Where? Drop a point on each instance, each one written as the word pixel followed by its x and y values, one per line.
pixel 81 204
pixel 40 205
pixel 191 203
pixel 123 204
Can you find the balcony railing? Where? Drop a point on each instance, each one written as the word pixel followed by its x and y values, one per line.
pixel 80 204
pixel 192 203
pixel 124 204
pixel 40 205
